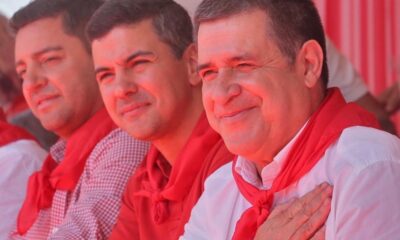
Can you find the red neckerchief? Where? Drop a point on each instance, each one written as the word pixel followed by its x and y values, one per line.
pixel 322 130
pixel 183 173
pixel 64 176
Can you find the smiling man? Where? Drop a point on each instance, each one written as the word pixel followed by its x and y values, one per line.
pixel 77 193
pixel 264 90
pixel 146 69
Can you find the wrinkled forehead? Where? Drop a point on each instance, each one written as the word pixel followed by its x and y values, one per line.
pixel 232 34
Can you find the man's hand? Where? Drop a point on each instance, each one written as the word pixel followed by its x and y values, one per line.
pixel 301 219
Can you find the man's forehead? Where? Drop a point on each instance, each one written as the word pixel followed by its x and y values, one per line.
pixel 37 35
pixel 224 44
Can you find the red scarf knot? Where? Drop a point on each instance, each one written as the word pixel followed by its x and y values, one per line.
pixel 159 204
pixel 264 200
pixel 263 204
pixel 163 183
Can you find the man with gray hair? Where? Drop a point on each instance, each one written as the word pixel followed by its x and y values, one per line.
pixel 264 90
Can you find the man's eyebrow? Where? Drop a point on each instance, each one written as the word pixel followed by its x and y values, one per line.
pixel 127 60
pixel 230 60
pixel 42 51
pixel 203 66
pixel 101 69
pixel 240 58
pixel 138 54
pixel 48 49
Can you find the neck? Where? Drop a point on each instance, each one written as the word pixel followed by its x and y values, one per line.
pixel 170 145
pixel 68 133
pixel 263 158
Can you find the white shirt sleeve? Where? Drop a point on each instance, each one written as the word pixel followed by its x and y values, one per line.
pixel 366 197
pixel 18 160
pixel 369 212
pixel 343 75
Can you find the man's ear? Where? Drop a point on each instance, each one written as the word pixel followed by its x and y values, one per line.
pixel 190 56
pixel 310 59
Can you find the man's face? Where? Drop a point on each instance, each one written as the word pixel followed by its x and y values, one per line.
pixel 144 86
pixel 58 76
pixel 253 97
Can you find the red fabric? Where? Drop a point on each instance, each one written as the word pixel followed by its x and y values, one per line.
pixel 159 198
pixel 322 130
pixel 63 176
pixel 10 133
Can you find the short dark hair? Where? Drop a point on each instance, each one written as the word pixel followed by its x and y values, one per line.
pixel 293 22
pixel 171 21
pixel 75 15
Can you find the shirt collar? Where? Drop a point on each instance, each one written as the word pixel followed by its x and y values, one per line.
pixel 57 151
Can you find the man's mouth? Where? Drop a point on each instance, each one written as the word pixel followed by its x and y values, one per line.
pixel 45 101
pixel 133 110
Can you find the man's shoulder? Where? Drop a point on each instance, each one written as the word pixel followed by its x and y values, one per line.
pixel 24 148
pixel 361 147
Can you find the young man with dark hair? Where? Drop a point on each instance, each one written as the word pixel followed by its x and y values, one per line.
pixel 77 193
pixel 12 101
pixel 145 65
pixel 264 75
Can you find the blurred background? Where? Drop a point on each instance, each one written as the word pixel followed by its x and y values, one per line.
pixel 8 7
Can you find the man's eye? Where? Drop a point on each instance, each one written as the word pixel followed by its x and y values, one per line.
pixel 50 60
pixel 143 61
pixel 208 74
pixel 103 77
pixel 140 62
pixel 138 65
pixel 245 66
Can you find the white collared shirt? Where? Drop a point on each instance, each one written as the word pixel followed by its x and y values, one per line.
pixel 18 160
pixel 363 166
